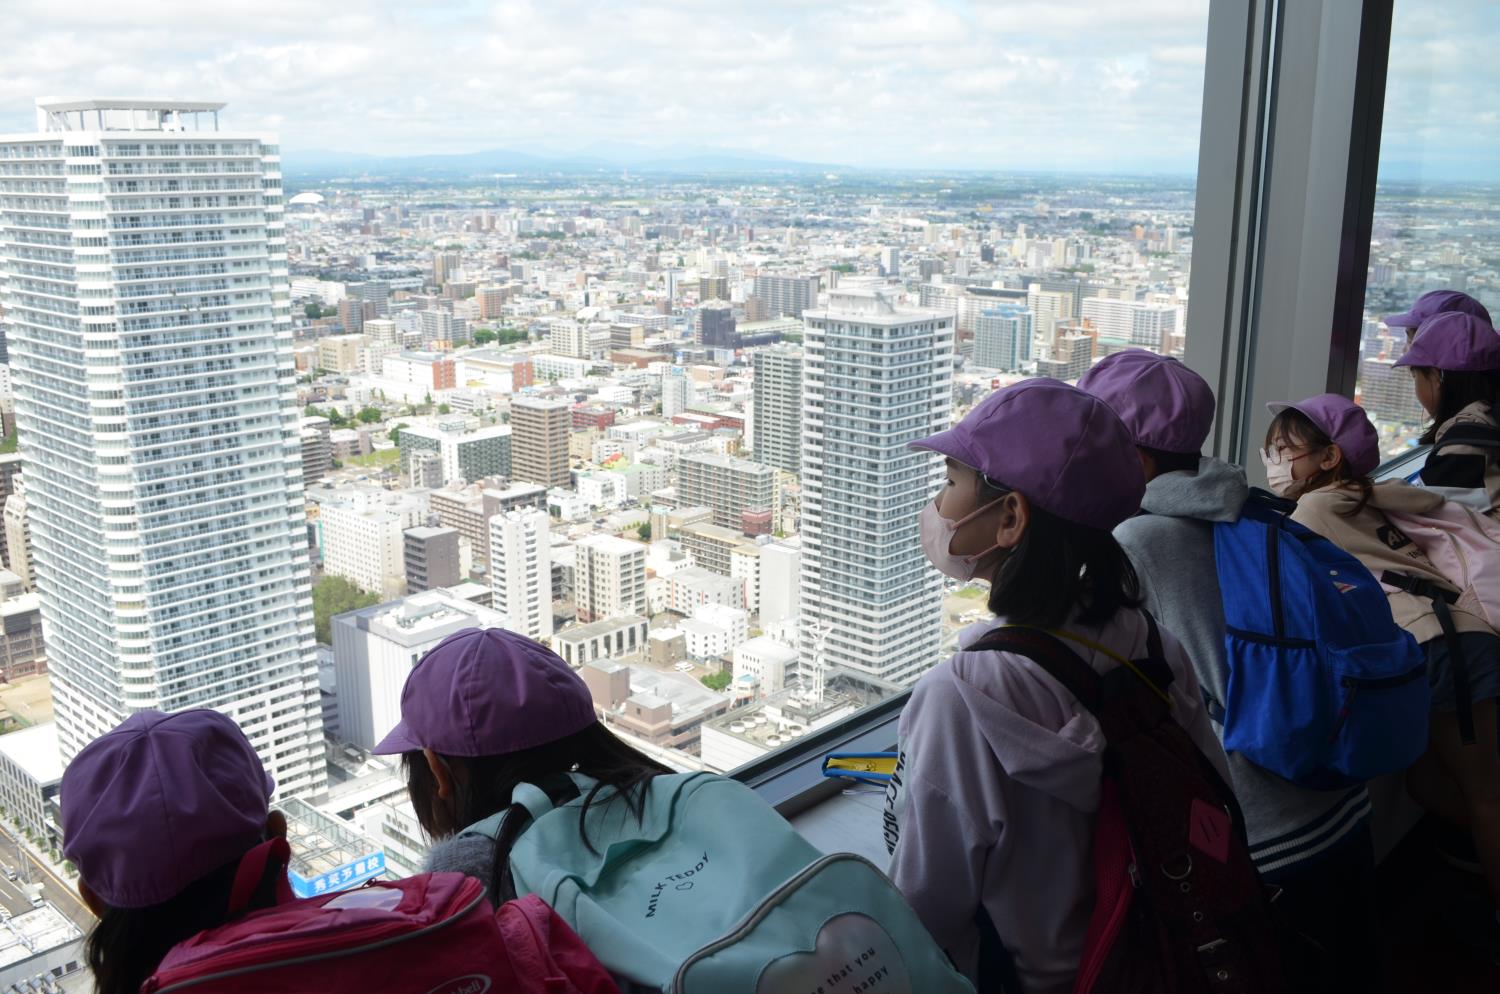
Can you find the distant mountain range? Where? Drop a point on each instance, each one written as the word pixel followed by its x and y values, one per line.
pixel 612 157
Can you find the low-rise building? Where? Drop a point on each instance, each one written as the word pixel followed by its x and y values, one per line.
pixel 664 708
pixel 31 768
pixel 613 638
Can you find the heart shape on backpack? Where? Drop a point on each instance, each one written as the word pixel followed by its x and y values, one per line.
pixel 853 954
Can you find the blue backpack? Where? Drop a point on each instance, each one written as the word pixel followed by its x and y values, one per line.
pixel 712 892
pixel 1325 689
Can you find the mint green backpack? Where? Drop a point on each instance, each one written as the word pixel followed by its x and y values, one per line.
pixel 712 892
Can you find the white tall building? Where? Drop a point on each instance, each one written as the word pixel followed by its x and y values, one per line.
pixel 676 391
pixel 609 577
pixel 375 648
pixel 147 307
pixel 777 429
pixel 1146 325
pixel 876 376
pixel 364 540
pixel 1002 338
pixel 780 582
pixel 521 571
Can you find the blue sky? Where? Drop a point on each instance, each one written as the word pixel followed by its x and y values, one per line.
pixel 1096 86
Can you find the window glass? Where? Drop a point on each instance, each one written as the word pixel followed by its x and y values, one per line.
pixel 1437 202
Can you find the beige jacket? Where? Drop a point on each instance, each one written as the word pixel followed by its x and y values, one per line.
pixel 1371 538
pixel 1439 474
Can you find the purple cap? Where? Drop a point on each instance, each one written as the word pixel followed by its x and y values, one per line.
pixel 1164 404
pixel 1437 302
pixel 161 801
pixel 487 692
pixel 1344 421
pixel 1459 343
pixel 1063 449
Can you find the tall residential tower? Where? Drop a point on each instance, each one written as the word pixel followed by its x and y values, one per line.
pixel 876 375
pixel 147 306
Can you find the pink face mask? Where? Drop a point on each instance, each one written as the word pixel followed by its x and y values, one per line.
pixel 937 537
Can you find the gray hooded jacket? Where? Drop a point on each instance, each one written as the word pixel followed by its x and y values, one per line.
pixel 1172 546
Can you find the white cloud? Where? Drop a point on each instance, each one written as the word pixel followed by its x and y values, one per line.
pixel 1000 84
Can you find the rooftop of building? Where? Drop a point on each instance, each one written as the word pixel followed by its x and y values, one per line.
pixel 421 618
pixel 782 718
pixel 425 532
pixel 38 930
pixel 717 533
pixel 320 843
pixel 613 544
pixel 35 751
pixel 594 629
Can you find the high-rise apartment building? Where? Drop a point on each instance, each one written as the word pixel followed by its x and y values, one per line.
pixel 432 558
pixel 1134 322
pixel 876 376
pixel 445 266
pixel 890 260
pixel 676 391
pixel 468 453
pixel 539 440
pixel 609 577
pixel 521 571
pixel 141 245
pixel 713 288
pixel 715 327
pixel 18 535
pixel 363 540
pixel 1002 338
pixel 786 295
pixel 570 338
pixel 731 487
pixel 777 425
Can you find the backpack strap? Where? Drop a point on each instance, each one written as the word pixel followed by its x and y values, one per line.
pixel 1056 659
pixel 1476 436
pixel 1442 598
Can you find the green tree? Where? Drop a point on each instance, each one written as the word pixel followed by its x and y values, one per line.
pixel 483 336
pixel 334 595
pixel 444 409
pixel 335 418
pixel 427 399
pixel 369 415
pixel 311 412
pixel 715 681
pixel 313 311
pixel 644 531
pixel 395 432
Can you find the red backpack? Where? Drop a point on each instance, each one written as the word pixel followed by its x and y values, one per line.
pixel 434 933
pixel 1179 907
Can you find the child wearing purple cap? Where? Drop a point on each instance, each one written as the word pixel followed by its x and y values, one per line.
pixel 1435 302
pixel 167 818
pixel 1320 452
pixel 992 812
pixel 1455 364
pixel 1314 846
pixel 483 711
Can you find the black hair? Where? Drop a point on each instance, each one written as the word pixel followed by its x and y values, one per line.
pixel 1059 567
pixel 126 945
pixel 1296 427
pixel 1457 389
pixel 487 782
pixel 1172 462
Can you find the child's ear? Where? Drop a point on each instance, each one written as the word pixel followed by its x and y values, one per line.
pixel 1332 456
pixel 1015 516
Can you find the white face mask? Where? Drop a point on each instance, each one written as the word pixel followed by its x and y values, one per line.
pixel 937 536
pixel 1278 473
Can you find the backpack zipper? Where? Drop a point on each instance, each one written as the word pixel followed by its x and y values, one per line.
pixel 762 910
pixel 333 954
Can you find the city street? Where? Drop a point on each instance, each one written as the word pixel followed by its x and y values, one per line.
pixel 31 869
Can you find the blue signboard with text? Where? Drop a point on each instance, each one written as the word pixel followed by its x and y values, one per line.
pixel 340 878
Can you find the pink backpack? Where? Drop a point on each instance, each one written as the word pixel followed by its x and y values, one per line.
pixel 1463 545
pixel 434 933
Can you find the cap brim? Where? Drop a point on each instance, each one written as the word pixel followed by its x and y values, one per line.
pixel 1277 406
pixel 946 443
pixel 1407 320
pixel 398 741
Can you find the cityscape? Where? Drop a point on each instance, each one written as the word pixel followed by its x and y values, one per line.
pixel 272 432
